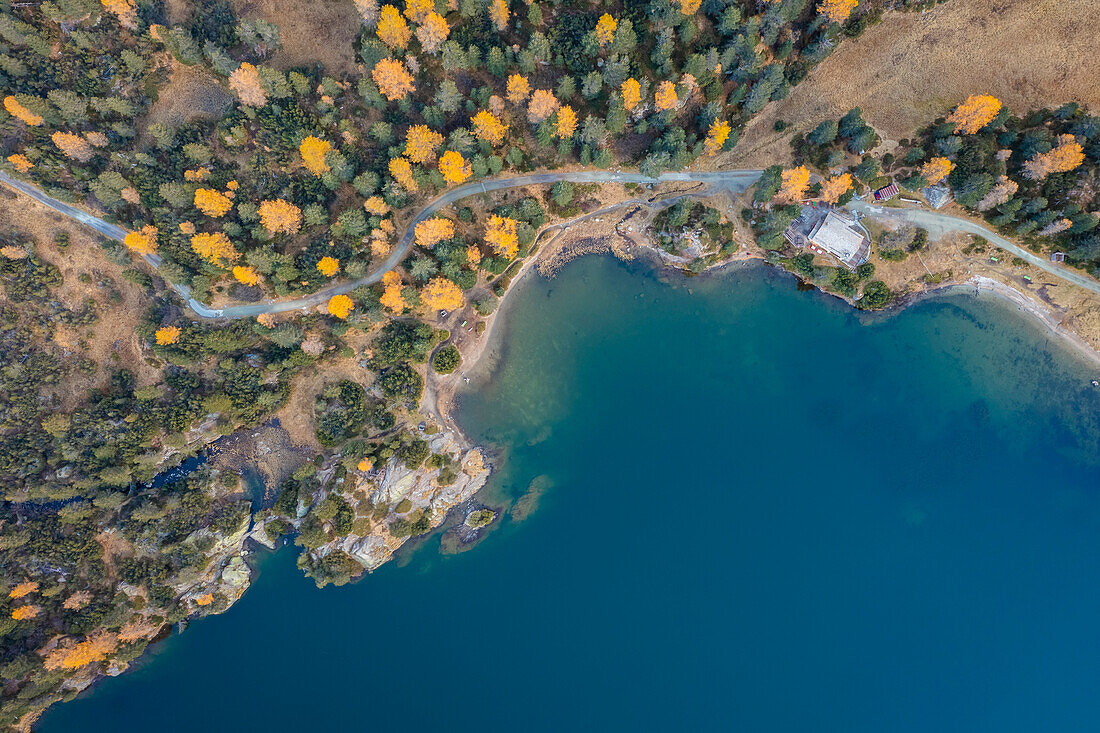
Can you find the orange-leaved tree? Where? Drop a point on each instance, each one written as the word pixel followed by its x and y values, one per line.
pixel 393 79
pixel 313 151
pixel 689 7
pixel 432 32
pixel 666 96
pixel 245 83
pixel 20 161
pixel 835 187
pixel 498 13
pixel 124 10
pixel 167 335
pixel 246 275
pixel 212 202
pixel 401 171
pixel 73 146
pixel 421 143
pixel 392 28
pixel 417 10
pixel 567 122
pixel 24 589
pixel 837 11
pixel 442 294
pixel 17 110
pixel 975 113
pixel 500 234
pixel 143 241
pixel 391 296
pixel 473 255
pixel 518 88
pixel 717 135
pixel 795 181
pixel 1065 156
pixel 215 248
pixel 280 216
pixel 605 29
pixel 340 306
pixel 376 205
pixel 488 128
pixel 454 167
pixel 432 231
pixel 328 266
pixel 543 104
pixel 25 612
pixel 632 93
pixel 94 648
pixel 936 170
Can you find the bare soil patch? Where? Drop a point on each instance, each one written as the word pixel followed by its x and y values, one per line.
pixel 913 67
pixel 321 31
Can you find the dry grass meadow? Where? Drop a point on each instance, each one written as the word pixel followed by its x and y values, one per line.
pixel 317 31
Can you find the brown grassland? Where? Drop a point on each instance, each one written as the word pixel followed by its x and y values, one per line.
pixel 322 31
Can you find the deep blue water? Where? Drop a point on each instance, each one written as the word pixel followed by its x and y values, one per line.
pixel 765 516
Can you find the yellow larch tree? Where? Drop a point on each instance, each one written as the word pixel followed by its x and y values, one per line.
pixel 666 96
pixel 488 128
pixel 212 202
pixel 94 648
pixel 717 135
pixel 795 181
pixel 12 105
pixel 142 242
pixel 632 93
pixel 1065 156
pixel 215 248
pixel 204 600
pixel 280 217
pixel 543 104
pixel 340 306
pixel 401 170
pixel 605 29
pixel 442 294
pixel 13 252
pixel 73 146
pixel 392 28
pixel 567 122
pixel 391 295
pixel 500 234
pixel 393 79
pixel 837 11
pixel 328 266
pixel 835 187
pixel 473 255
pixel 20 161
pixel 421 142
pixel 690 7
pixel 454 167
pixel 417 10
pixel 246 275
pixel 499 13
pixel 430 232
pixel 24 589
pixel 77 601
pixel 975 113
pixel 245 83
pixel 432 32
pixel 313 151
pixel 196 175
pixel 936 170
pixel 25 612
pixel 167 335
pixel 518 88
pixel 376 205
pixel 124 10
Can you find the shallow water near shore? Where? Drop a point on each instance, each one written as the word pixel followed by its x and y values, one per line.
pixel 765 515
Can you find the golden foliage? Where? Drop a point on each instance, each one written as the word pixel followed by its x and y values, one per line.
pixel 280 217
pixel 232 185
pixel 500 234
pixel 936 170
pixel 94 648
pixel 454 167
pixel 376 205
pixel 97 139
pixel 205 599
pixel 473 254
pixel 794 185
pixel 975 113
pixel 421 143
pixel 245 83
pixel 567 122
pixel 24 589
pixel 24 612
pixel 130 194
pixel 20 162
pixel 518 88
pixel 340 306
pixel 392 28
pixel 498 13
pixel 1066 155
pixel 214 248
pixel 246 275
pixel 11 104
pixel 666 96
pixel 835 187
pixel 12 252
pixel 73 146
pixel 328 266
pixel 837 11
pixel 543 104
pixel 187 227
pixel 267 320
pixel 689 7
pixel 197 175
pixel 77 601
pixel 717 135
pixel 313 151
pixel 442 294
pixel 142 242
pixel 392 298
pixel 488 128
pixel 124 10
pixel 432 32
pixel 401 171
pixel 417 10
pixel 393 79
pixel 136 629
pixel 212 203
pixel 391 277
pixel 605 29
pixel 365 465
pixel 632 93
pixel 430 232
pixel 168 335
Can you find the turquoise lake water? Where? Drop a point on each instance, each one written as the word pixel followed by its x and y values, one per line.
pixel 765 515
